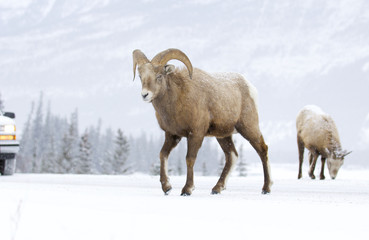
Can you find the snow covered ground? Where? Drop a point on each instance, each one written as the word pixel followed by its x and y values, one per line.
pixel 133 207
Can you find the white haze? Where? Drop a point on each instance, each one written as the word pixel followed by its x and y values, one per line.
pixel 78 53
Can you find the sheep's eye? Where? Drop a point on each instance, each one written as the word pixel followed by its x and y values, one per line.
pixel 159 77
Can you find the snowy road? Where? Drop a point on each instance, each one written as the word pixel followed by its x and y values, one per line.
pixel 133 207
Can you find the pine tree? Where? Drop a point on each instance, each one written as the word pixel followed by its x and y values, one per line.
pixel 69 146
pixel 208 153
pixel 49 156
pixel 241 166
pixel 155 168
pixel 85 163
pixel 141 150
pixel 121 154
pixel 49 163
pixel 38 137
pixel 179 166
pixel 24 156
pixel 221 164
pixel 204 169
pixel 65 159
pixel 107 150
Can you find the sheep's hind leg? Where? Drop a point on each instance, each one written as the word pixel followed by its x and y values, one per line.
pixel 231 158
pixel 170 142
pixel 257 142
pixel 193 145
pixel 262 150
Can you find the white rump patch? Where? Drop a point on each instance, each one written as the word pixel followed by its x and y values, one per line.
pixel 253 93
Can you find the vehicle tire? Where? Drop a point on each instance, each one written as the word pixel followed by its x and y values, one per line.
pixel 7 167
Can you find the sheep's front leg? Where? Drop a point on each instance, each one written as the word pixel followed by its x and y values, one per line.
pixel 193 146
pixel 170 142
pixel 301 147
pixel 312 166
pixel 322 177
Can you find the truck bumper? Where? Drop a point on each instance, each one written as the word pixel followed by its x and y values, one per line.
pixel 8 149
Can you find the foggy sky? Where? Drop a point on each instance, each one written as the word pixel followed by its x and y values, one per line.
pixel 78 53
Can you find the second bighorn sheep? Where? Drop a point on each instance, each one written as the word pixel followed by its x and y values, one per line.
pixel 193 104
pixel 317 132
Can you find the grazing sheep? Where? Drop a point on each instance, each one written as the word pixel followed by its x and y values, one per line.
pixel 195 104
pixel 318 133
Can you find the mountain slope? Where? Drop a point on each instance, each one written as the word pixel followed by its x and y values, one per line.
pixel 295 52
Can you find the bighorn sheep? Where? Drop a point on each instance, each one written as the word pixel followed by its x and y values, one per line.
pixel 195 104
pixel 317 132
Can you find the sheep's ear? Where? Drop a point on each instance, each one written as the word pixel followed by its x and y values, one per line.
pixel 169 68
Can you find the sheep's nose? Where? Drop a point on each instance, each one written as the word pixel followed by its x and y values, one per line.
pixel 144 95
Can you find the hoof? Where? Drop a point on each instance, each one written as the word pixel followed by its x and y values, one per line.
pixel 187 191
pixel 322 178
pixel 265 192
pixel 167 192
pixel 213 192
pixel 166 187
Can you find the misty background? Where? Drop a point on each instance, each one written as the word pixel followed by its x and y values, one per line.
pixel 79 55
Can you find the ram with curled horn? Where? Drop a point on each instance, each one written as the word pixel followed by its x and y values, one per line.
pixel 192 103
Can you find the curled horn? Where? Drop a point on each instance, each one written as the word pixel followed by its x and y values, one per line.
pixel 345 153
pixel 172 53
pixel 138 58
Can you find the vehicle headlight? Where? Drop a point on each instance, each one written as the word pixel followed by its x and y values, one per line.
pixel 9 128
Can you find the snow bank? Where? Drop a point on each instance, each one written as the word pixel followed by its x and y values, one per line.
pixel 134 207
